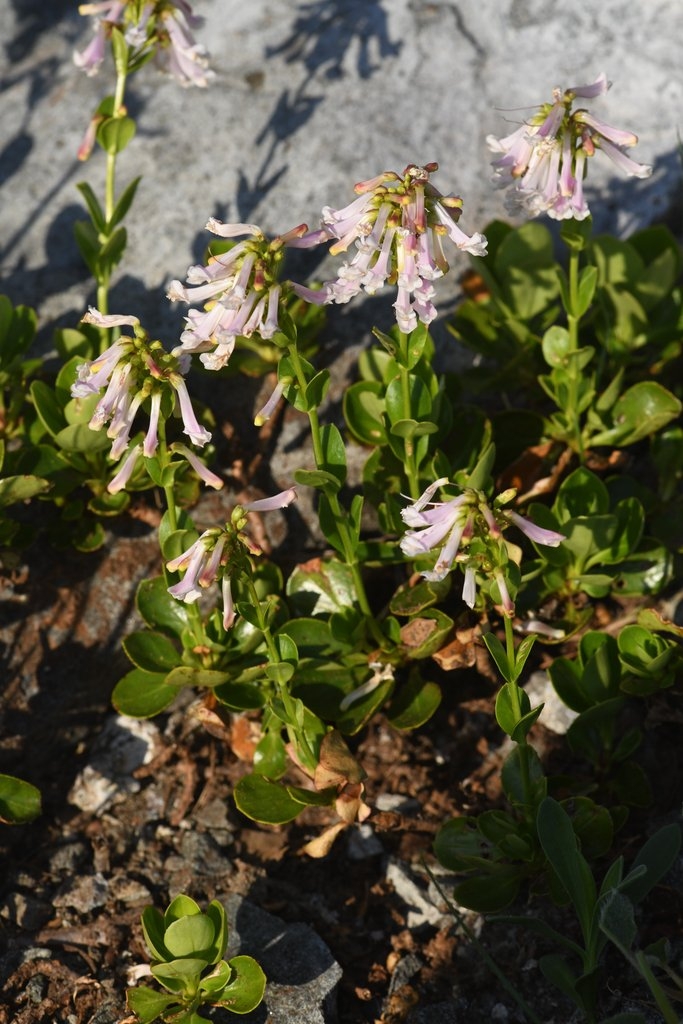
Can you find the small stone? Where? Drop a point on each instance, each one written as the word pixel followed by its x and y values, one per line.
pixel 123 745
pixel 363 843
pixel 302 973
pixel 500 1013
pixel 213 816
pixel 398 803
pixel 556 716
pixel 68 857
pixel 84 895
pixel 413 889
pixel 128 890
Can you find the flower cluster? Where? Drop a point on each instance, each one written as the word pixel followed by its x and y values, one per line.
pixel 164 26
pixel 468 529
pixel 133 371
pixel 398 223
pixel 240 289
pixel 544 160
pixel 218 555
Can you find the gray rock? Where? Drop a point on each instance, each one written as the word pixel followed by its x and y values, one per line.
pixel 555 716
pixel 362 843
pixel 84 894
pixel 423 902
pixel 302 973
pixel 123 745
pixel 304 105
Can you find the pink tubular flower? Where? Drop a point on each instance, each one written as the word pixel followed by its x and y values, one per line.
pixel 162 26
pixel 468 530
pixel 544 160
pixel 549 538
pixel 178 54
pixel 122 478
pixel 108 13
pixel 397 223
pixel 202 471
pixel 220 554
pixel 240 290
pixel 133 371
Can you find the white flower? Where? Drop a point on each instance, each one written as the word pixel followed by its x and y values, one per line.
pixel 397 224
pixel 544 160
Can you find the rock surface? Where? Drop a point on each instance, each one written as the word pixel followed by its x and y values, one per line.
pixel 310 98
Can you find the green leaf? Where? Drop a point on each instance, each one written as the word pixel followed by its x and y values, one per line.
pixel 642 410
pixel 506 714
pixel 213 984
pixel 88 244
pixel 413 600
pixel 246 991
pixel 47 407
pixel 20 488
pixel 556 346
pixel 192 675
pixel 588 280
pixel 124 202
pixel 558 972
pixel 181 906
pixel 617 919
pixel 364 411
pixel 497 652
pixel 558 839
pixel 190 936
pixel 582 493
pixel 414 704
pixel 239 696
pixel 216 913
pixel 320 587
pixel 492 892
pixel 159 609
pixel 266 802
pixel 78 437
pixel 148 1004
pixel 318 478
pixel 151 651
pixel 316 389
pixel 180 976
pixel 115 133
pixel 142 694
pixel 94 209
pixel 113 249
pixel 334 452
pixel 153 927
pixel 419 405
pixel 20 802
pixel 657 855
pixel 270 756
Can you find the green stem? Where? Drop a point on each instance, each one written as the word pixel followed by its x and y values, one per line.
pixel 514 691
pixel 340 518
pixel 409 444
pixel 298 740
pixel 110 182
pixel 573 331
pixel 164 459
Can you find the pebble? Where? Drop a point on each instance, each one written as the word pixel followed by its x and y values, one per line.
pixel 555 716
pixel 123 745
pixel 362 843
pixel 84 894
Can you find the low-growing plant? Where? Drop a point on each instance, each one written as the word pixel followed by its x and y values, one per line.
pixel 188 947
